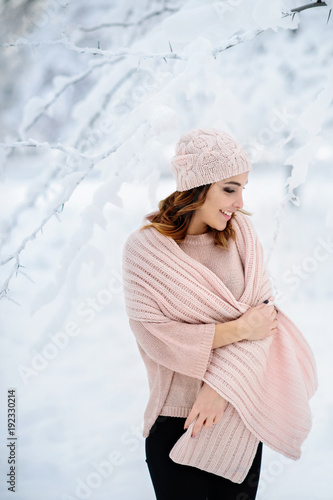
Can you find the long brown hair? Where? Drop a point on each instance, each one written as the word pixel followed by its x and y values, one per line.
pixel 176 211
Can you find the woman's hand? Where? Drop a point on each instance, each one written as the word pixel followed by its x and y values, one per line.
pixel 258 322
pixel 208 409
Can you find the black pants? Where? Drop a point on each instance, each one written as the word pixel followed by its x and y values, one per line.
pixel 172 481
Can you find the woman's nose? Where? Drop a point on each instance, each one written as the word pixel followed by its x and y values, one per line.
pixel 239 202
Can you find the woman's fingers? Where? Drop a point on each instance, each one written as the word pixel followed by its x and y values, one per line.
pixel 220 414
pixel 207 421
pixel 198 424
pixel 208 407
pixel 190 418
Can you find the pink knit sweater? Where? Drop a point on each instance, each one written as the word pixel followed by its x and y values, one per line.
pixel 227 266
pixel 173 302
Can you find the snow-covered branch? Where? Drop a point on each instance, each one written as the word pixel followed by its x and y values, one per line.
pixel 90 124
pixel 60 147
pixel 109 54
pixel 319 3
pixel 135 23
pixel 32 143
pixel 70 81
pixel 53 213
pixel 235 40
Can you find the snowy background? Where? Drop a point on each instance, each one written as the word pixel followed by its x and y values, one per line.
pixel 94 96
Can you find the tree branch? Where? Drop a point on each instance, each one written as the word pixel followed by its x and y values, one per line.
pixel 127 25
pixel 32 143
pixel 95 51
pixel 55 211
pixel 309 6
pixel 235 40
pixel 70 81
pixel 88 126
pixel 16 255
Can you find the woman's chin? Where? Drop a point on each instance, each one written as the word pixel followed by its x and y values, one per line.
pixel 220 226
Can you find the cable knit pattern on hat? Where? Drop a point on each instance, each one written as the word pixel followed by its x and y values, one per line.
pixel 207 155
pixel 266 383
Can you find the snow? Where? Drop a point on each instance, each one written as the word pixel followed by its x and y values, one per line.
pixel 99 133
pixel 312 118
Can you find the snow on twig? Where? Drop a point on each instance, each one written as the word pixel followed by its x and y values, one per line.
pixel 32 143
pixel 88 126
pixel 312 120
pixel 53 213
pixel 235 40
pixel 16 254
pixel 73 80
pixel 6 230
pixel 60 147
pixel 109 54
pixel 129 24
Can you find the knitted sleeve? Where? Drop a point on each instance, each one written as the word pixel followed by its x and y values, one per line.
pixel 181 347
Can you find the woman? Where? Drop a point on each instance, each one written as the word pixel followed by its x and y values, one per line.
pixel 227 369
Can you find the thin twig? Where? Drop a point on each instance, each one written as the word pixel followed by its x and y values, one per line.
pixel 70 81
pixel 235 40
pixel 109 54
pixel 128 24
pixel 309 6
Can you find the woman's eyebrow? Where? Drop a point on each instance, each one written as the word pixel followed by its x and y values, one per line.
pixel 233 182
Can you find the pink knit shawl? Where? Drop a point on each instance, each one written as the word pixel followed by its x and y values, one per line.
pixel 267 384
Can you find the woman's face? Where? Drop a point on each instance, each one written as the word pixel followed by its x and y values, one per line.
pixel 226 195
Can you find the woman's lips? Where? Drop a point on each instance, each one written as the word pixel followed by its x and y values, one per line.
pixel 228 217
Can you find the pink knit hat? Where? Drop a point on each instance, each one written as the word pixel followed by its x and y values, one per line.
pixel 207 155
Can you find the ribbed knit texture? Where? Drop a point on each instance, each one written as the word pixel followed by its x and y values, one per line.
pixel 227 266
pixel 207 155
pixel 267 383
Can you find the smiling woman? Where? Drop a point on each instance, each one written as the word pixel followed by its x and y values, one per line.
pixel 199 210
pixel 195 289
pixel 219 205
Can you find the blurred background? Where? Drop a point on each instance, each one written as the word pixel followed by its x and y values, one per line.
pixel 94 96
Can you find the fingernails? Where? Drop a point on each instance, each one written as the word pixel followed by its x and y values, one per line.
pixel 192 436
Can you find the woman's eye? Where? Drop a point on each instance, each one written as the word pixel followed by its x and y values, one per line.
pixel 227 190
